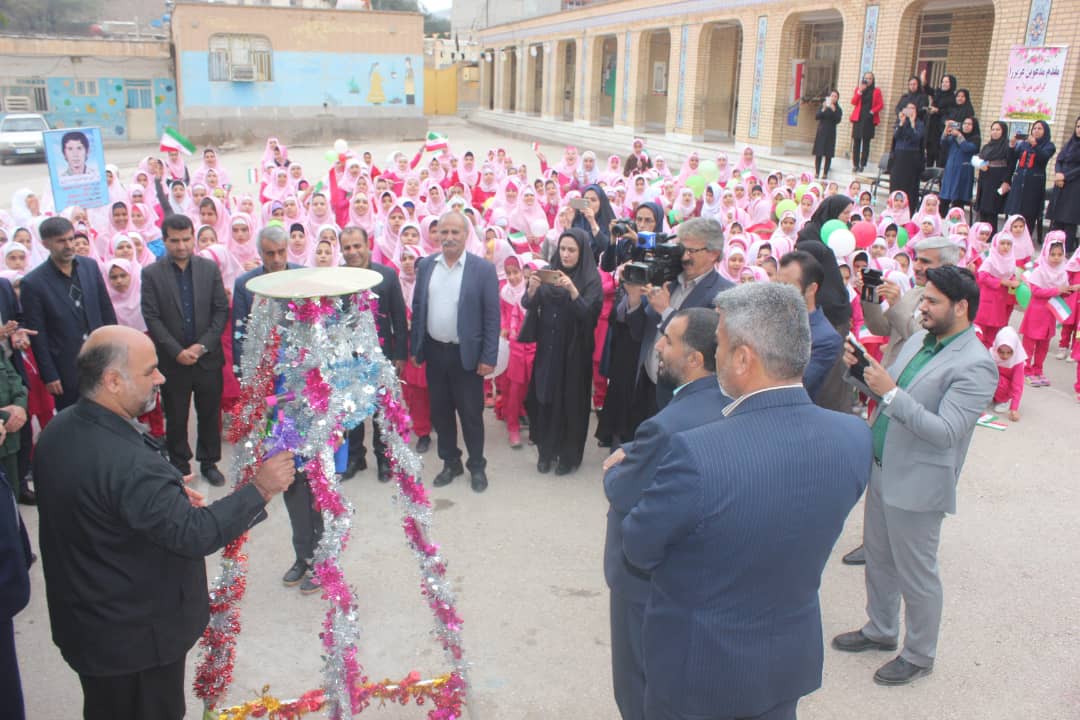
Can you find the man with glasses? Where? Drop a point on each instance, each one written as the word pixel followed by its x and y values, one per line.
pixel 64 300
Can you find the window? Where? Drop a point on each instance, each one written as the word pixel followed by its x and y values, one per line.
pixel 139 95
pixel 934 33
pixel 85 88
pixel 24 95
pixel 822 66
pixel 240 58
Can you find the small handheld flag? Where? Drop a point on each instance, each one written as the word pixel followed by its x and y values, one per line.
pixel 436 141
pixel 171 139
pixel 990 421
pixel 1060 308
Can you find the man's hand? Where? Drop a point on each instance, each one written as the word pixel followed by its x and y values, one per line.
pixel 275 475
pixel 16 418
pixel 659 298
pixel 876 376
pixel 196 498
pixel 889 291
pixel 187 357
pixel 614 459
pixel 484 370
pixel 54 387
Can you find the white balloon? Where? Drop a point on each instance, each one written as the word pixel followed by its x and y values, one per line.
pixel 503 359
pixel 340 146
pixel 842 242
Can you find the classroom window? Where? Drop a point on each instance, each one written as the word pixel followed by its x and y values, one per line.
pixel 240 58
pixel 85 88
pixel 24 95
pixel 139 95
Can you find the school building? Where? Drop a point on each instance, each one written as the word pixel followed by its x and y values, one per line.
pixel 751 71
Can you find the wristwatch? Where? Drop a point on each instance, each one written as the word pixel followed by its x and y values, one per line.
pixel 204 349
pixel 887 398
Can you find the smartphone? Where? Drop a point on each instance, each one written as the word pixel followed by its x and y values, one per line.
pixel 579 203
pixel 548 277
pixel 863 357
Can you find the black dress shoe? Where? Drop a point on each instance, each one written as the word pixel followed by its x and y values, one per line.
pixel 351 468
pixel 423 444
pixel 384 473
pixel 295 574
pixel 213 475
pixel 900 672
pixel 27 497
pixel 183 467
pixel 447 474
pixel 855 641
pixel 563 469
pixel 855 557
pixel 544 466
pixel 603 442
pixel 478 481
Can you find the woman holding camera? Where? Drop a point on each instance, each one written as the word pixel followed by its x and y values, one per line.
pixel 1027 189
pixel 593 217
pixel 907 153
pixel 563 308
pixel 866 105
pixel 962 139
pixel 828 117
pixel 989 196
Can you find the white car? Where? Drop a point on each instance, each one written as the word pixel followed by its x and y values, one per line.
pixel 21 137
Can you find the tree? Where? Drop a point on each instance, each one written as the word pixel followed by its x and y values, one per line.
pixel 48 16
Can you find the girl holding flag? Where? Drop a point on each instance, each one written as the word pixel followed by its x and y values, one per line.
pixel 1049 281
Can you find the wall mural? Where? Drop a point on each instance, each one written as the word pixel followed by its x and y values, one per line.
pixel 107 109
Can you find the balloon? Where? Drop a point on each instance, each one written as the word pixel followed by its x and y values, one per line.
pixel 651 193
pixel 709 171
pixel 865 233
pixel 901 236
pixel 842 242
pixel 785 206
pixel 697 184
pixel 1023 295
pixel 341 147
pixel 800 191
pixel 829 228
pixel 331 156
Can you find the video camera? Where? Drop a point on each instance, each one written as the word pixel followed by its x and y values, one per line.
pixel 656 259
pixel 871 280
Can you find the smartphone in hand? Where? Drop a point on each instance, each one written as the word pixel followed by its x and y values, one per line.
pixel 863 357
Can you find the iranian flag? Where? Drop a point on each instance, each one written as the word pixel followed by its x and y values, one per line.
pixel 436 141
pixel 1060 308
pixel 173 140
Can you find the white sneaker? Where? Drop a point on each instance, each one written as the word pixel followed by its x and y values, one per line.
pixel 1001 407
pixel 1062 354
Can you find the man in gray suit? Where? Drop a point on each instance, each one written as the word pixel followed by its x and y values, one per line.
pixel 900 321
pixel 929 401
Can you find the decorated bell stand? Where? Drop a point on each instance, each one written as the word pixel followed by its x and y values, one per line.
pixel 312 370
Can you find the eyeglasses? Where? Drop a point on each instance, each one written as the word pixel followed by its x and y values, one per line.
pixel 694 251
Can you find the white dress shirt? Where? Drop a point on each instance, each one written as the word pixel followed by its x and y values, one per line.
pixel 444 290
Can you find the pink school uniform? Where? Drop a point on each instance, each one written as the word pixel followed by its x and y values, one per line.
pixel 519 368
pixel 994 297
pixel 1039 324
pixel 1010 372
pixel 1068 329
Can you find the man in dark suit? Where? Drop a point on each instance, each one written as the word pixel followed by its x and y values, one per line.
pixel 185 309
pixel 455 330
pixel 736 538
pixel 696 286
pixel 687 350
pixel 123 541
pixel 393 335
pixel 64 300
pixel 15 558
pixel 306 521
pixel 802 271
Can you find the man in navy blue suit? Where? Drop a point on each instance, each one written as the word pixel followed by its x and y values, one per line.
pixel 64 299
pixel 696 286
pixel 739 523
pixel 687 349
pixel 802 271
pixel 455 329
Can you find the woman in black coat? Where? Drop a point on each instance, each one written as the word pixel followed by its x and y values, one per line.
pixel 960 111
pixel 908 159
pixel 915 95
pixel 1027 189
pixel 828 117
pixel 595 220
pixel 562 318
pixel 1065 202
pixel 989 203
pixel 940 106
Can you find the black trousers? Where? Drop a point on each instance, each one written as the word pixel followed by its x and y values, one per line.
pixel 456 394
pixel 69 397
pixel 860 150
pixel 306 521
pixel 155 693
pixel 10 684
pixel 181 382
pixel 825 160
pixel 627 656
pixel 356 443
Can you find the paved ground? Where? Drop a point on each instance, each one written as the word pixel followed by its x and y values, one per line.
pixel 525 558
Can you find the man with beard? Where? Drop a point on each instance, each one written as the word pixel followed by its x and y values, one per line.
pixel 123 541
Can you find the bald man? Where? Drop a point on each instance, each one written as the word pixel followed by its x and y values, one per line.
pixel 123 541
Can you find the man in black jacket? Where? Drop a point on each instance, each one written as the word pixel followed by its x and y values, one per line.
pixel 393 333
pixel 185 309
pixel 15 559
pixel 123 541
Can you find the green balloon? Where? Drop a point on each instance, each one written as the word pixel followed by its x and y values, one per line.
pixel 697 184
pixel 709 171
pixel 330 156
pixel 785 206
pixel 800 191
pixel 829 228
pixel 1023 295
pixel 901 237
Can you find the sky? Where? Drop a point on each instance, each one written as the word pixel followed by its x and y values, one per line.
pixel 437 5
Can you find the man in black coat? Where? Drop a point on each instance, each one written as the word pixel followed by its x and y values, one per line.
pixel 64 300
pixel 393 334
pixel 123 541
pixel 15 559
pixel 185 309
